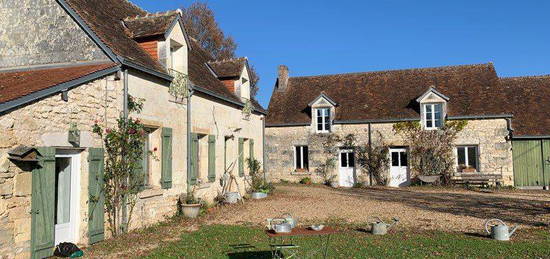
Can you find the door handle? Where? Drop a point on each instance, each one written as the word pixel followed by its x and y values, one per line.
pixel 34 212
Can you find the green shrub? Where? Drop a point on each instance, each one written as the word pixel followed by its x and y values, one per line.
pixel 306 180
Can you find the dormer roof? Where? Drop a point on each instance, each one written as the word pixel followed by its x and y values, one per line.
pixel 228 68
pixel 432 90
pixel 151 25
pixel 322 96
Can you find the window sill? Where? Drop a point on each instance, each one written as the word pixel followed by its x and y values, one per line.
pixel 150 192
pixel 300 172
pixel 204 186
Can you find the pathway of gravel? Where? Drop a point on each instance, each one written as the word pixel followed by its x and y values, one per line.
pixel 418 208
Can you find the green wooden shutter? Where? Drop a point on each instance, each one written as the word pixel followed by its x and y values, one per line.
pixel 211 158
pixel 96 202
pixel 166 177
pixel 192 177
pixel 251 147
pixel 43 204
pixel 142 166
pixel 241 157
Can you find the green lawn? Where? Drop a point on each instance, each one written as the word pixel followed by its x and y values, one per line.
pixel 216 242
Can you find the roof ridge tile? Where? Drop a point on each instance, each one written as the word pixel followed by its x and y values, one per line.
pixel 489 64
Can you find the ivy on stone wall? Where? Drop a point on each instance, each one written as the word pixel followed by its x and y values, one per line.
pixel 431 151
pixel 247 109
pixel 180 86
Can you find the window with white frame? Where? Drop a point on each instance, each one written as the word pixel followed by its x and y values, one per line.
pixel 323 119
pixel 467 158
pixel 301 158
pixel 433 115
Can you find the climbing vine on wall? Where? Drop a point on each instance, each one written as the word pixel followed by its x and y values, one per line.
pixel 431 151
pixel 124 149
pixel 247 109
pixel 180 86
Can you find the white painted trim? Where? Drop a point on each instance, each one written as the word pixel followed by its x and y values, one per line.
pixel 75 193
pixel 466 154
pixel 323 119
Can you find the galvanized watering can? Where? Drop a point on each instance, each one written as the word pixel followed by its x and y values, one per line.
pixel 379 227
pixel 290 220
pixel 279 225
pixel 499 229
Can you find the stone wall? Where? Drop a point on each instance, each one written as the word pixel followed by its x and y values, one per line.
pixel 212 117
pixel 36 32
pixel 495 152
pixel 45 123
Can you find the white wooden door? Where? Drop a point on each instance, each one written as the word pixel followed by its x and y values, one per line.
pixel 67 195
pixel 399 167
pixel 346 168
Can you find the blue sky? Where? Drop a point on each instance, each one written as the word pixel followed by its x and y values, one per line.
pixel 316 37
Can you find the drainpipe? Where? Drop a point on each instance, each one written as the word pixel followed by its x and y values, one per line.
pixel 264 158
pixel 189 137
pixel 124 211
pixel 125 105
pixel 370 152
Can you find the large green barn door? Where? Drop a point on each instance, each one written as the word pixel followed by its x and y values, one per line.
pixel 546 161
pixel 43 204
pixel 528 164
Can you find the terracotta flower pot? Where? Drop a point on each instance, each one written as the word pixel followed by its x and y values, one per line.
pixel 191 210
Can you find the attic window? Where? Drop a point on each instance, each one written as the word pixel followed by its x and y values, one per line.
pixel 323 120
pixel 244 80
pixel 433 115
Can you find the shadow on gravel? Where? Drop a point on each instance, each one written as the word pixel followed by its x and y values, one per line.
pixel 514 210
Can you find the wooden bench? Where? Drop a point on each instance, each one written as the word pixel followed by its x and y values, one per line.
pixel 479 179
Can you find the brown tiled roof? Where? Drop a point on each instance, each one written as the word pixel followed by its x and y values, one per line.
pixel 104 17
pixel 257 106
pixel 200 74
pixel 528 99
pixel 228 67
pixel 14 85
pixel 150 25
pixel 472 89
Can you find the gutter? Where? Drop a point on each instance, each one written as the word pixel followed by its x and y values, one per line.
pixel 9 105
pixel 221 97
pixel 532 137
pixel 144 69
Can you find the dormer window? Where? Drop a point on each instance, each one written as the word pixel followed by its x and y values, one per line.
pixel 322 109
pixel 433 115
pixel 433 107
pixel 323 120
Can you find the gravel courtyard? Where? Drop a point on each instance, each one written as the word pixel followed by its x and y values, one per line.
pixel 416 207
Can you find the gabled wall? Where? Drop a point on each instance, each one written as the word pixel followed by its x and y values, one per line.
pixel 36 32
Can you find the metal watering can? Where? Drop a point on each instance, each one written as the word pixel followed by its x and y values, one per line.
pixel 500 230
pixel 379 227
pixel 290 220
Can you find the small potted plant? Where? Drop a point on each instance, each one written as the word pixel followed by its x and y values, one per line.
pixel 259 187
pixel 190 205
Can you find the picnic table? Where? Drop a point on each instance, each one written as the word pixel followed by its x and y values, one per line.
pixel 284 241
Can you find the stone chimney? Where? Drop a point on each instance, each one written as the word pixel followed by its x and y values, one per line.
pixel 282 80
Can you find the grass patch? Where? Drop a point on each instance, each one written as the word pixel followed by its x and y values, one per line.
pixel 219 241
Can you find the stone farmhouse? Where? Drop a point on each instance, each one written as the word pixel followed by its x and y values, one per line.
pixel 68 64
pixel 507 131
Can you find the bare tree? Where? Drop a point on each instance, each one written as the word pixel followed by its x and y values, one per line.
pixel 200 23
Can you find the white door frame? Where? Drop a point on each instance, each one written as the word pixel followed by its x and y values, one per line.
pixel 397 172
pixel 73 227
pixel 346 175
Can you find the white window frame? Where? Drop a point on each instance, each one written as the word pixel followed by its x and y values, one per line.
pixel 433 120
pixel 301 148
pixel 467 163
pixel 325 113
